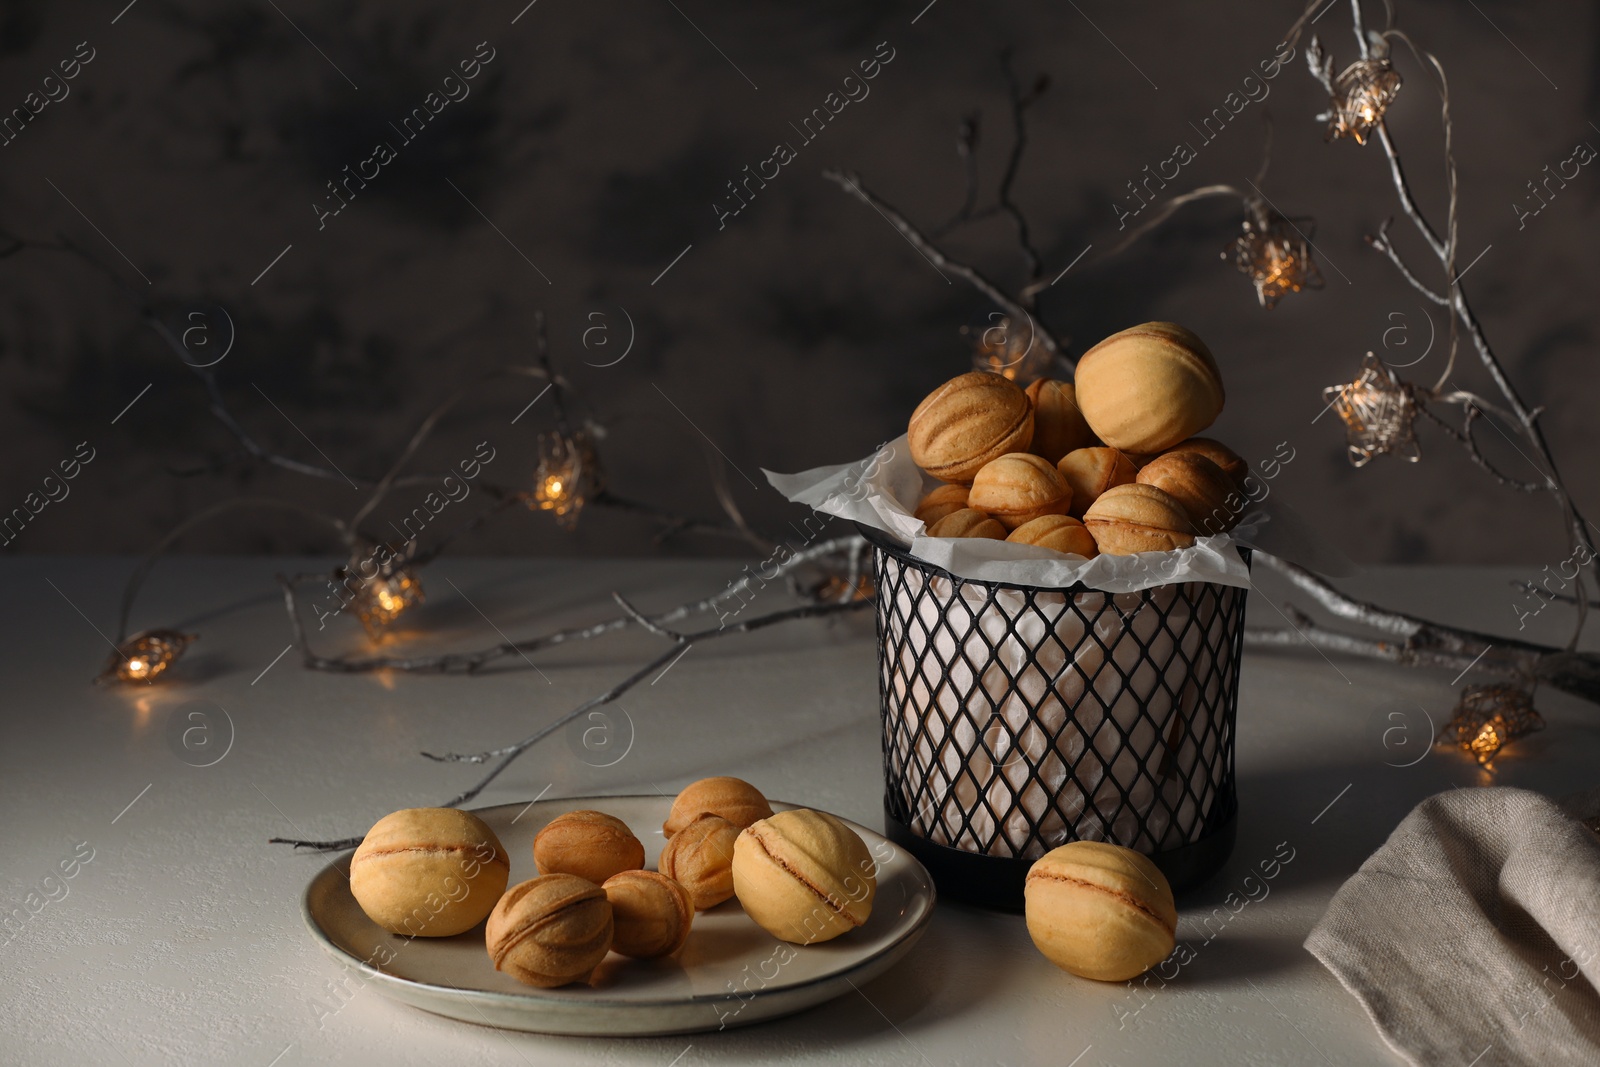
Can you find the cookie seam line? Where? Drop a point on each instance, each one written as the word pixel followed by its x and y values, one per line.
pixel 430 850
pixel 822 895
pixel 1131 901
pixel 528 929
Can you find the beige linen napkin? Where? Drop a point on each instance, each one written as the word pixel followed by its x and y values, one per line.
pixel 1472 937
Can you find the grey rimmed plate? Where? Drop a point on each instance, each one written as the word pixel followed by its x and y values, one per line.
pixel 730 973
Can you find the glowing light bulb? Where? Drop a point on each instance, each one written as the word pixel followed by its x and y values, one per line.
pixel 145 656
pixel 1379 414
pixel 380 600
pixel 1361 95
pixel 1010 353
pixel 1488 718
pixel 567 476
pixel 1275 252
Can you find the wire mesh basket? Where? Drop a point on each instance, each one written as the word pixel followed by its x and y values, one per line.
pixel 1017 718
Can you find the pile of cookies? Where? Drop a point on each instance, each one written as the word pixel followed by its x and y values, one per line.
pixel 1108 463
pixel 804 876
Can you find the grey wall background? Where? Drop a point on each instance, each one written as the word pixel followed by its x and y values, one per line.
pixel 597 140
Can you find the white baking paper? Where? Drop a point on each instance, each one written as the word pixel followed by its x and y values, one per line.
pixel 882 490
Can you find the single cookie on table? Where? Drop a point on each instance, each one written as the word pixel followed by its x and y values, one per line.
pixel 966 422
pixel 1149 387
pixel 1091 471
pixel 1209 496
pixel 589 844
pixel 941 502
pixel 700 858
pixel 550 931
pixel 968 522
pixel 1128 519
pixel 1230 461
pixel 1018 487
pixel 651 914
pixel 804 876
pixel 1061 533
pixel 1100 911
pixel 732 798
pixel 1058 426
pixel 429 872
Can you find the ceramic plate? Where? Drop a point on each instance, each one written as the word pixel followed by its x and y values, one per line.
pixel 730 973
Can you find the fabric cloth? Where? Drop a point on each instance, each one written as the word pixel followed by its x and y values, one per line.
pixel 1473 935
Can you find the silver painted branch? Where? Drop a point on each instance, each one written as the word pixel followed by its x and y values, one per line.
pixel 1415 642
pixel 509 754
pixel 851 183
pixel 471 662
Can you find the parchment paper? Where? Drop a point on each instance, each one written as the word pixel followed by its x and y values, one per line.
pixel 883 489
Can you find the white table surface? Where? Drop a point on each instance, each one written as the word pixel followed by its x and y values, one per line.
pixel 181 940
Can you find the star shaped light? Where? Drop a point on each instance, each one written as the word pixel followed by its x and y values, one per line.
pixel 1276 254
pixel 1361 94
pixel 383 598
pixel 1490 717
pixel 144 657
pixel 1379 413
pixel 567 476
pixel 1010 353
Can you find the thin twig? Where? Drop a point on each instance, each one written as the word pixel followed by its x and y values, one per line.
pixel 472 662
pixel 425 428
pixel 142 571
pixel 1417 633
pixel 672 522
pixel 1020 101
pixel 1576 673
pixel 1169 208
pixel 851 183
pixel 1382 243
pixel 502 503
pixel 644 620
pixel 510 753
pixel 1465 438
pixel 967 151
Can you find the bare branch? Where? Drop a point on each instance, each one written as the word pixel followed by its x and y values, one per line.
pixel 1462 317
pixel 425 428
pixel 1416 633
pixel 850 183
pixel 1382 243
pixel 1169 208
pixel 509 754
pixel 672 522
pixel 503 502
pixel 1021 100
pixel 1465 438
pixel 967 151
pixel 472 662
pixel 1576 673
pixel 142 571
pixel 644 620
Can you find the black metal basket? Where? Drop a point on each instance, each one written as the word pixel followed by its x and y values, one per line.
pixel 1018 718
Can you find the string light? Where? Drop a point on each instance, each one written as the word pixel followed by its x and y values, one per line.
pixel 1010 353
pixel 1379 413
pixel 1490 717
pixel 1361 94
pixel 568 475
pixel 1276 253
pixel 145 656
pixel 383 598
